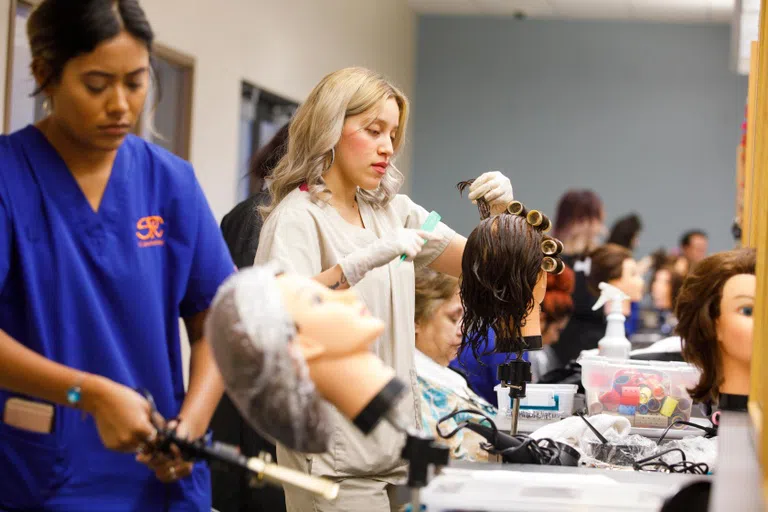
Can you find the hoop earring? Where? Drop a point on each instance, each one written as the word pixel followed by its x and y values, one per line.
pixel 333 156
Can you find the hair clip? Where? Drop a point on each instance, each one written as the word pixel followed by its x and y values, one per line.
pixel 551 246
pixel 538 220
pixel 517 208
pixel 552 265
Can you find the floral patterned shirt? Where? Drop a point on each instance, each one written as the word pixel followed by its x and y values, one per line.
pixel 443 391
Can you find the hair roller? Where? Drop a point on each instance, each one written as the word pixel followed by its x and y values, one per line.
pixel 517 208
pixel 552 265
pixel 538 220
pixel 551 246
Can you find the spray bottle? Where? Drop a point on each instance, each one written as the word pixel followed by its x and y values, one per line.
pixel 615 343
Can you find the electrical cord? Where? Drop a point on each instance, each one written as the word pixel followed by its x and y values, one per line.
pixel 683 466
pixel 709 431
pixel 648 463
pixel 511 447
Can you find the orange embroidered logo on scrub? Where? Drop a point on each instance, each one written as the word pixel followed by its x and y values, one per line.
pixel 149 231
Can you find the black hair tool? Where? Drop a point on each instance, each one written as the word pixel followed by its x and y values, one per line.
pixel 514 449
pixel 261 468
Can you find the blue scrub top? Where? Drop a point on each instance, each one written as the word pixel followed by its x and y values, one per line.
pixel 101 292
pixel 481 373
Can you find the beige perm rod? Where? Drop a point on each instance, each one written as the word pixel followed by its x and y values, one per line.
pixel 552 265
pixel 280 475
pixel 551 246
pixel 539 220
pixel 517 208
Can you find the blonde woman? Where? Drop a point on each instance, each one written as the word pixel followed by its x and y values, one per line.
pixel 336 215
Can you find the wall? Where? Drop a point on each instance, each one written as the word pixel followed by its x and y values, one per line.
pixel 285 47
pixel 5 10
pixel 648 115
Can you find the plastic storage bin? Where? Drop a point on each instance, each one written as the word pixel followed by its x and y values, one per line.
pixel 541 402
pixel 650 394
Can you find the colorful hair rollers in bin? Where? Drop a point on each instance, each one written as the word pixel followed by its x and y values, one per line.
pixel 645 397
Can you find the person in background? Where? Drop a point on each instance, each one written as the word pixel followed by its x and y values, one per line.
pixel 666 282
pixel 241 227
pixel 626 231
pixel 556 310
pixel 442 390
pixel 579 224
pixel 694 247
pixel 105 241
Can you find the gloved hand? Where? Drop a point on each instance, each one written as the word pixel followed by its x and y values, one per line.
pixel 404 241
pixel 495 188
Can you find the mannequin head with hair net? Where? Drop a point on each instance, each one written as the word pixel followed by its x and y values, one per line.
pixel 285 345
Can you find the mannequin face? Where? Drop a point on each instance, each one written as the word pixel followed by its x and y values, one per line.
pixel 735 323
pixel 630 282
pixel 661 289
pixel 329 322
pixel 439 337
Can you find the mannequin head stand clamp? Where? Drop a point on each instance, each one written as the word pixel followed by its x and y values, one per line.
pixel 515 375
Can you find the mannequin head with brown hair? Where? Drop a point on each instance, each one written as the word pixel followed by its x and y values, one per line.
pixel 503 278
pixel 614 264
pixel 714 311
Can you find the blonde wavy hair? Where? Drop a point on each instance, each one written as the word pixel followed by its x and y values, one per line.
pixel 316 129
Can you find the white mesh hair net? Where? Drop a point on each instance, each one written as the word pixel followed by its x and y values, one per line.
pixel 265 375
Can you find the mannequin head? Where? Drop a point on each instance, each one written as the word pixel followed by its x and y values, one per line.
pixel 714 311
pixel 330 323
pixel 438 315
pixel 285 343
pixel 503 282
pixel 557 307
pixel 613 264
pixel 665 287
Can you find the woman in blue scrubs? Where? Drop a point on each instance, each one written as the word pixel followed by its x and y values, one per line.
pixel 105 241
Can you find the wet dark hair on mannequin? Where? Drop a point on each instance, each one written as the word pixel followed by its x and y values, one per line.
pixel 500 268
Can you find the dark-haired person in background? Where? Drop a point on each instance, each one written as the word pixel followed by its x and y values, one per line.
pixel 242 225
pixel 626 231
pixel 105 241
pixel 694 246
pixel 232 492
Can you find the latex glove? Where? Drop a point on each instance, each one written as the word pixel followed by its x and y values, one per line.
pixel 495 188
pixel 404 241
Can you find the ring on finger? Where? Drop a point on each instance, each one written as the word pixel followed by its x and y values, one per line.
pixel 172 472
